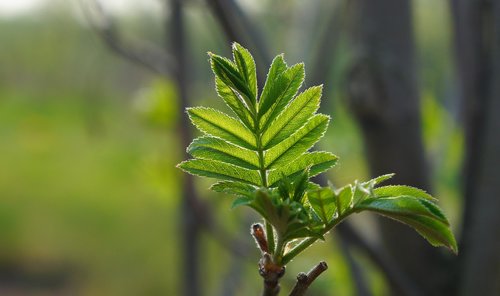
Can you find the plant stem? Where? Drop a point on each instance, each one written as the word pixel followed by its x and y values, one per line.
pixel 271 273
pixel 278 252
pixel 309 241
pixel 270 237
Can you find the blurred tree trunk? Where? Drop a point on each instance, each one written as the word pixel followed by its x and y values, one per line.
pixel 477 36
pixel 383 94
pixel 190 218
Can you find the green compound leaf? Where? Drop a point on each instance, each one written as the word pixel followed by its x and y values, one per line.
pixel 270 136
pixel 220 150
pixel 262 157
pixel 218 124
pixel 220 170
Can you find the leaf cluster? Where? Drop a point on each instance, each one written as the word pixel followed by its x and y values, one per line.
pixel 267 137
pixel 261 154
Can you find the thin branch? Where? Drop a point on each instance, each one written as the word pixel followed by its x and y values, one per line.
pixel 146 55
pixel 238 27
pixel 305 280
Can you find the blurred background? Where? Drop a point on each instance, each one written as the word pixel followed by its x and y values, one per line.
pixel 92 95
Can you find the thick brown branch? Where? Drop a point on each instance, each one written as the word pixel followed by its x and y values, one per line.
pixel 305 280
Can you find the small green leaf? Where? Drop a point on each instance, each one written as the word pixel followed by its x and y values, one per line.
pixel 434 231
pixel 403 205
pixel 323 203
pixel 298 143
pixel 278 66
pixel 343 198
pixel 241 201
pixel 246 67
pixel 379 179
pixel 293 117
pixel 280 93
pixel 228 72
pixel 234 188
pixel 233 101
pixel 361 192
pixel 220 150
pixel 220 170
pixel 285 187
pixel 317 162
pixel 221 125
pixel 300 185
pixel 396 190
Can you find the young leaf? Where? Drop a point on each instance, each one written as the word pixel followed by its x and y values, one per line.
pixel 395 190
pixel 280 93
pixel 221 125
pixel 323 203
pixel 317 162
pixel 278 66
pixel 300 185
pixel 220 150
pixel 343 198
pixel 379 179
pixel 246 66
pixel 233 101
pixel 234 188
pixel 227 71
pixel 298 143
pixel 301 109
pixel 361 192
pixel 403 205
pixel 428 221
pixel 220 170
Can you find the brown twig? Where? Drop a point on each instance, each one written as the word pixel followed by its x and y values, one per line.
pixel 271 273
pixel 305 280
pixel 146 54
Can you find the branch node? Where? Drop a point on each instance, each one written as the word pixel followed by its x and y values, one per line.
pixel 305 280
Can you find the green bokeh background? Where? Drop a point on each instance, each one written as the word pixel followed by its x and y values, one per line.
pixel 89 196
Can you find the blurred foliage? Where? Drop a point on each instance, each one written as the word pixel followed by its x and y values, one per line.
pixel 88 189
